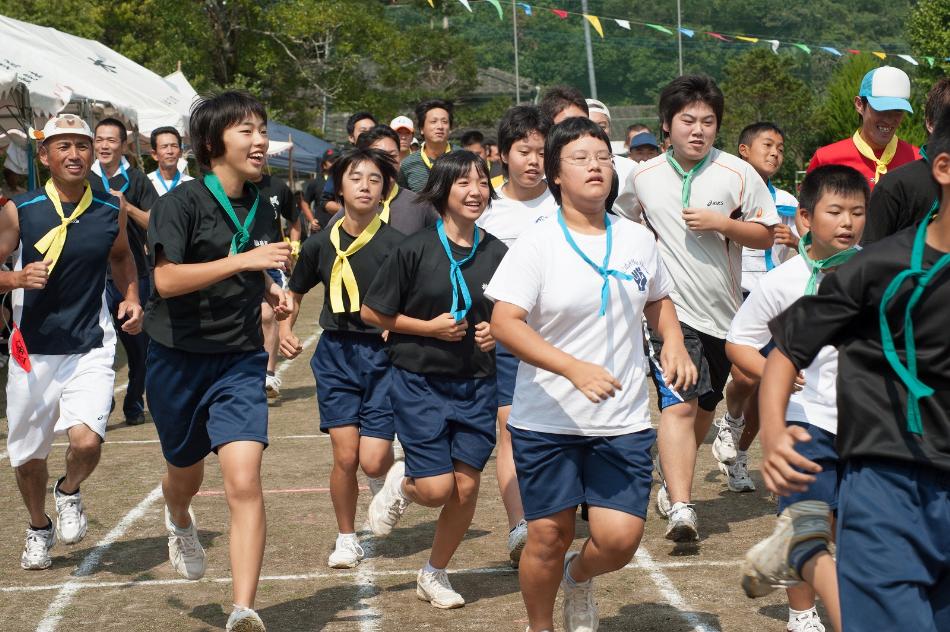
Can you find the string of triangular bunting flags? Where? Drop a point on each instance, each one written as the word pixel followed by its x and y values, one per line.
pixel 597 22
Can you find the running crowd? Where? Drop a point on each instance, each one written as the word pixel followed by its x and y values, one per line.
pixel 522 296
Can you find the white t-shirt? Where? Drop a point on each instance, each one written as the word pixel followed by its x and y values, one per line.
pixel 624 203
pixel 754 262
pixel 817 402
pixel 705 266
pixel 543 275
pixel 506 219
pixel 163 186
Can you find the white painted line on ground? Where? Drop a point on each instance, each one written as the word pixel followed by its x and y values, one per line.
pixel 82 584
pixel 54 613
pixel 152 441
pixel 669 592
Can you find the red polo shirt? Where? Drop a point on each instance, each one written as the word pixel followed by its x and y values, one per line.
pixel 844 152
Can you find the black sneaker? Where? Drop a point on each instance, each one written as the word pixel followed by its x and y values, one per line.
pixel 135 420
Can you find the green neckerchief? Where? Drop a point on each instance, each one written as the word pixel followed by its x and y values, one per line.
pixel 820 265
pixel 686 175
pixel 916 390
pixel 242 236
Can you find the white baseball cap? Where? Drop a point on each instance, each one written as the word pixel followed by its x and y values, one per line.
pixel 887 88
pixel 60 126
pixel 593 105
pixel 402 122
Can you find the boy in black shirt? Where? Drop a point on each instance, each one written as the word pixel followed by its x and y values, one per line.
pixel 443 377
pixel 206 363
pixel 112 173
pixel 885 311
pixel 350 364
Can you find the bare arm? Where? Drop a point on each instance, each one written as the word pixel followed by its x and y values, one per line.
pixel 678 369
pixel 290 346
pixel 175 279
pixel 778 440
pixel 748 234
pixel 747 359
pixel 126 279
pixel 442 327
pixel 34 275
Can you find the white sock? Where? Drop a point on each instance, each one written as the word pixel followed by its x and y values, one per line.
pixel 735 422
pixel 794 614
pixel 343 537
pixel 378 481
pixel 399 491
pixel 429 568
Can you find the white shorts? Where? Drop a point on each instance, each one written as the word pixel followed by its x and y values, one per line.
pixel 60 392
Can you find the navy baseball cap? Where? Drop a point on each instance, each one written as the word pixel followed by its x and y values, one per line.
pixel 644 139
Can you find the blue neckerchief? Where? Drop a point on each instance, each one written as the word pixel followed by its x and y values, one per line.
pixel 602 270
pixel 175 180
pixel 105 178
pixel 455 272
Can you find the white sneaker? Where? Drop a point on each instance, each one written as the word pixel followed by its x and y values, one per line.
pixel 398 453
pixel 580 611
pixel 388 505
pixel 71 523
pixel 737 474
pixel 766 565
pixel 436 589
pixel 244 620
pixel 376 485
pixel 185 551
pixel 682 524
pixel 663 504
pixel 36 548
pixel 724 446
pixel 272 385
pixel 347 553
pixel 806 622
pixel 517 538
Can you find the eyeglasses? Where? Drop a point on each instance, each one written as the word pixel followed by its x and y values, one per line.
pixel 580 159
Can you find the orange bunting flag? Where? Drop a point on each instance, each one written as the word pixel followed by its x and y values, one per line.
pixel 595 22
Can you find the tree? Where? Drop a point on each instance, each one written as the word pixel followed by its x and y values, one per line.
pixel 759 86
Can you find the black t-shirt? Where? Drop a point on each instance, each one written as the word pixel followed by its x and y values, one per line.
pixel 189 226
pixel 316 262
pixel 278 199
pixel 415 282
pixel 407 213
pixel 141 194
pixel 311 192
pixel 872 400
pixel 900 199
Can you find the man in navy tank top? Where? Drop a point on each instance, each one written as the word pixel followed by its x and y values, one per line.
pixel 63 343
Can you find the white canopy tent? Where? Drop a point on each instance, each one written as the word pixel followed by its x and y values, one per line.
pixel 44 72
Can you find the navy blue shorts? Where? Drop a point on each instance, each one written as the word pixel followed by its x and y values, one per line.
pixel 278 276
pixel 201 401
pixel 440 420
pixel 352 373
pixel 559 471
pixel 893 547
pixel 821 450
pixel 506 370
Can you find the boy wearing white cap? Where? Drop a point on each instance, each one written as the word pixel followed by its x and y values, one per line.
pixel 874 148
pixel 402 125
pixel 63 342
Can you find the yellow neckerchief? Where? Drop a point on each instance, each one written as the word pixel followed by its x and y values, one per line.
pixel 342 274
pixel 392 196
pixel 425 158
pixel 880 163
pixel 52 243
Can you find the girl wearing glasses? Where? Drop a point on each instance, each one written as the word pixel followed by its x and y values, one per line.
pixel 570 297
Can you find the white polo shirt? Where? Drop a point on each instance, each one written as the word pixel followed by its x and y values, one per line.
pixel 706 268
pixel 754 262
pixel 561 292
pixel 817 402
pixel 506 219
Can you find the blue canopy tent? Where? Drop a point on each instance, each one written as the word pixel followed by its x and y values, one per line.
pixel 307 148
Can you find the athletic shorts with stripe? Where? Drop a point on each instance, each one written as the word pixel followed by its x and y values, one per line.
pixel 61 391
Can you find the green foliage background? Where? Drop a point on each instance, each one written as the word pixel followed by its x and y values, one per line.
pixel 384 55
